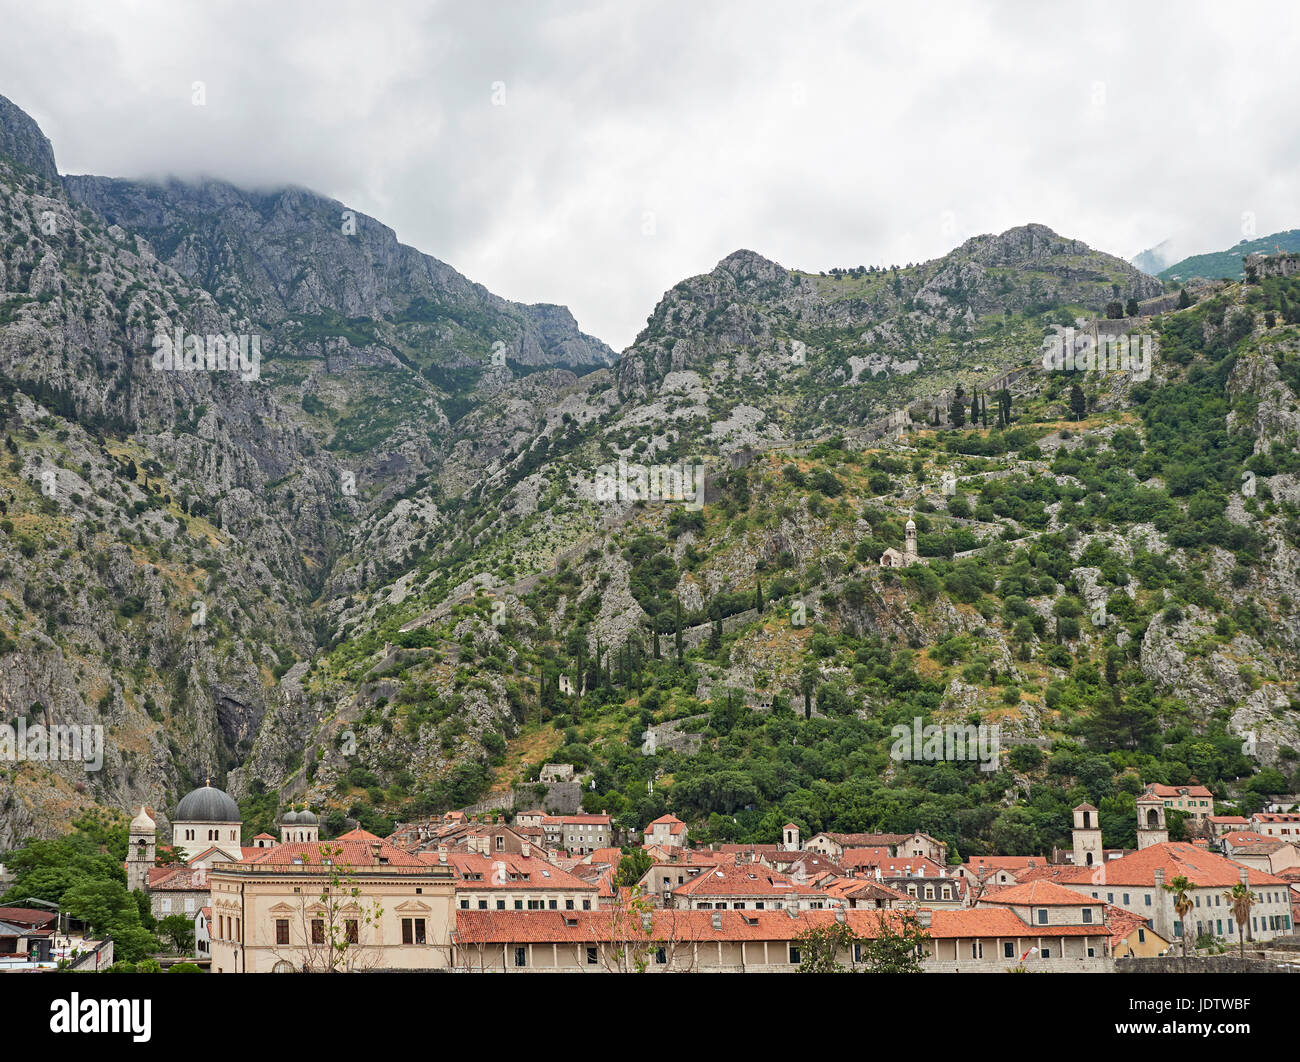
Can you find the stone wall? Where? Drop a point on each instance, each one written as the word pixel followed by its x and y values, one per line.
pixel 1202 964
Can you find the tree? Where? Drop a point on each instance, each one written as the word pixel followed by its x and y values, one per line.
pixel 957 412
pixel 632 867
pixel 1241 900
pixel 180 931
pixel 821 947
pixel 758 593
pixel 898 945
pixel 1078 403
pixel 110 910
pixel 636 932
pixel 1131 308
pixel 1114 310
pixel 1184 300
pixel 332 924
pixel 807 680
pixel 1181 889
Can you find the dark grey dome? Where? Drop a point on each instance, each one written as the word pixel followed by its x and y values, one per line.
pixel 289 818
pixel 306 818
pixel 206 805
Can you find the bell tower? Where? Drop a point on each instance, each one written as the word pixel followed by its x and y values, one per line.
pixel 1087 836
pixel 909 537
pixel 1151 828
pixel 140 851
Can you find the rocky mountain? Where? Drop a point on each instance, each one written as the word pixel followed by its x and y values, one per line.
pixel 1228 265
pixel 358 577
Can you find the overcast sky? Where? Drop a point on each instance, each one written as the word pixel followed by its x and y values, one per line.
pixel 596 154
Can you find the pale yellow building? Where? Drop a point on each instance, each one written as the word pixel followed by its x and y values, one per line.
pixel 290 908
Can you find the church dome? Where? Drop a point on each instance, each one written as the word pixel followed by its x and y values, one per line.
pixel 142 823
pixel 910 525
pixel 306 818
pixel 289 818
pixel 207 804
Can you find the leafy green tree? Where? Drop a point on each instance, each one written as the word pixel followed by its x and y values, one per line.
pixel 898 945
pixel 632 867
pixel 180 931
pixel 820 947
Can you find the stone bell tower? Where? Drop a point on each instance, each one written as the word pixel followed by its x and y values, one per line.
pixel 1087 836
pixel 140 851
pixel 1151 828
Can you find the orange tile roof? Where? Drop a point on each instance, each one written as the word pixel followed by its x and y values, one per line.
pixel 356 848
pixel 999 922
pixel 1122 923
pixel 742 881
pixel 1177 790
pixel 1245 837
pixel 1039 893
pixel 477 871
pixel 1203 869
pixel 1009 863
pixel 606 924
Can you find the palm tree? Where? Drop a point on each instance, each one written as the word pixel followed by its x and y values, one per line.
pixel 1241 900
pixel 1182 890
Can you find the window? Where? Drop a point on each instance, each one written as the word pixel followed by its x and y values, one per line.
pixel 408 932
pixel 464 905
pixel 1008 950
pixel 591 956
pixel 282 931
pixel 551 905
pixel 1142 936
pixel 661 956
pixel 501 843
pixel 1087 916
pixel 166 905
pixel 586 905
pixel 977 949
pixel 568 905
pixel 353 931
pixel 519 905
pixel 521 956
pixel 501 905
pixel 318 931
pixel 1042 916
pixel 1047 953
pixel 794 956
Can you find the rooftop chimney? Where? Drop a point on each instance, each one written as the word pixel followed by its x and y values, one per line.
pixel 525 849
pixel 442 853
pixel 717 920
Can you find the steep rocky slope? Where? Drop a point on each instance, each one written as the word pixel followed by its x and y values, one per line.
pixel 358 576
